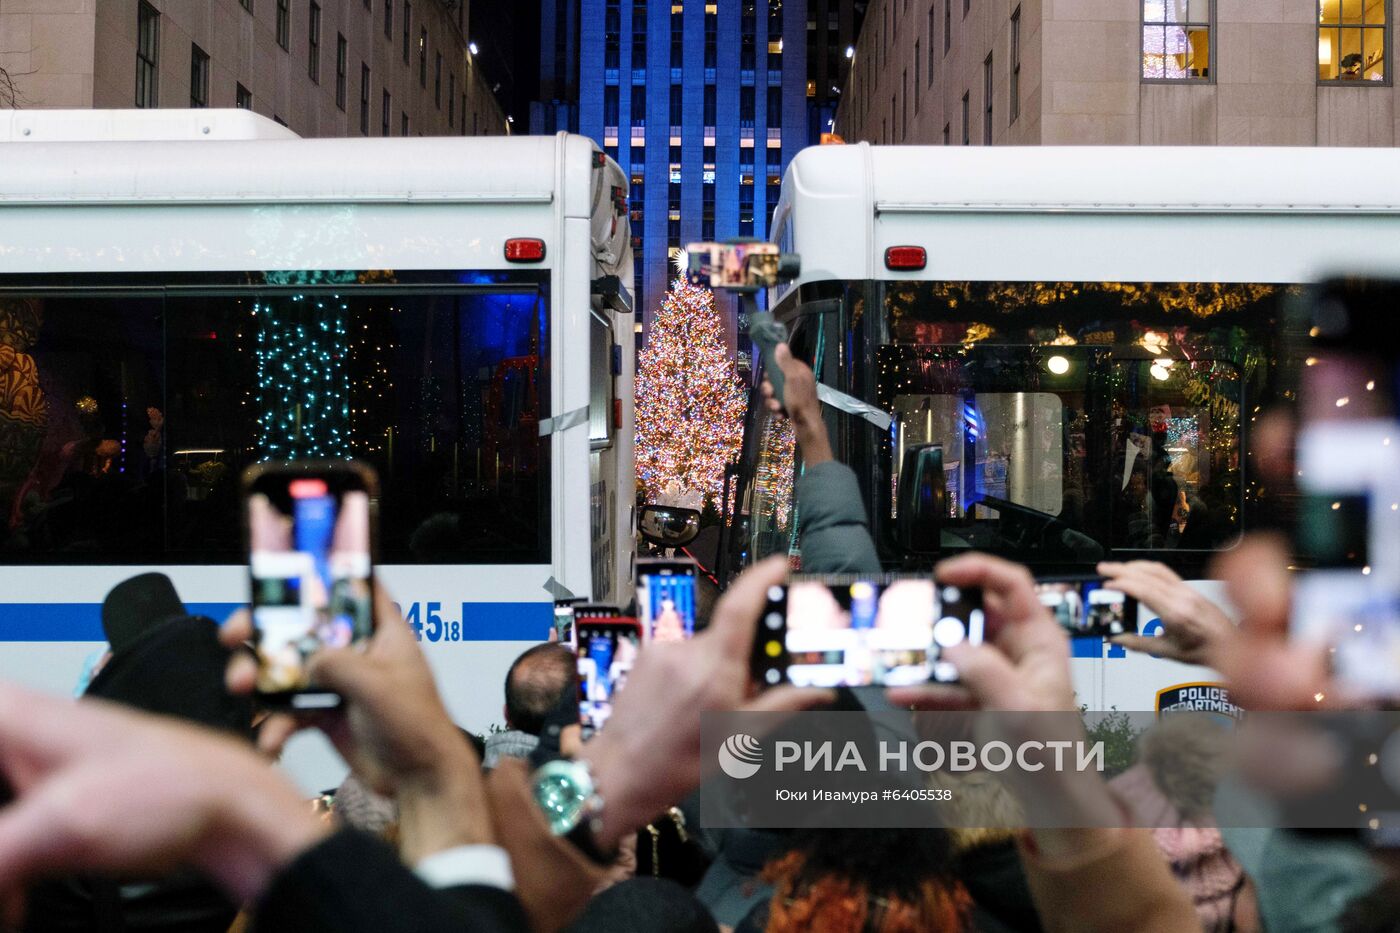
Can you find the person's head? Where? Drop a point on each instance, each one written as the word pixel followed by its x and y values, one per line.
pixel 645 904
pixel 889 880
pixel 534 684
pixel 136 606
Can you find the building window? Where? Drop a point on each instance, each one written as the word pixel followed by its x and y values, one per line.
pixel 931 8
pixel 243 98
pixel 904 102
pixel 389 19
pixel 385 107
pixel 746 106
pixel 775 106
pixel 147 55
pixel 966 116
pixel 610 106
pixel 748 37
pixel 677 104
pixel 967 5
pixel 987 101
pixel 278 120
pixel 612 34
pixel 1351 40
pixel 342 64
pixel 678 37
pixel 638 116
pixel 918 70
pixel 947 26
pixel 1176 39
pixel 313 43
pixel 711 38
pixel 364 99
pixel 407 28
pixel 423 57
pixel 437 81
pixel 711 104
pixel 451 100
pixel 639 33
pixel 199 77
pixel 246 4
pixel 284 24
pixel 403 123
pixel 1015 101
pixel 947 128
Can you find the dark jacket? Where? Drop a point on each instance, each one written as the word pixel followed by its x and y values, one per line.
pixel 835 529
pixel 174 669
pixel 351 883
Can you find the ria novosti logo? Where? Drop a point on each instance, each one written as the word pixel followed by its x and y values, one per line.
pixel 740 756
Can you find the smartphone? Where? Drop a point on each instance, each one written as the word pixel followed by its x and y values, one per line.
pixel 1347 532
pixel 767 332
pixel 310 541
pixel 564 623
pixel 1085 607
pixel 607 649
pixel 666 598
pixel 843 631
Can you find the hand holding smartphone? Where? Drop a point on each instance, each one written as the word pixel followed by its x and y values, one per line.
pixel 843 631
pixel 310 540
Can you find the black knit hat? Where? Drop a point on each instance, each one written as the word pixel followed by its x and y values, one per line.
pixel 136 606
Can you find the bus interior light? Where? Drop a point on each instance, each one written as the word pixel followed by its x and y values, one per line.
pixel 524 249
pixel 905 258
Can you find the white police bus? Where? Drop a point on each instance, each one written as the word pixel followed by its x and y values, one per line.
pixel 183 293
pixel 1086 335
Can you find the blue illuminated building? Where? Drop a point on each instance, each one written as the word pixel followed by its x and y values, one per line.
pixel 702 103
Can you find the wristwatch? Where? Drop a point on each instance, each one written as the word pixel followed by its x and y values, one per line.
pixel 564 791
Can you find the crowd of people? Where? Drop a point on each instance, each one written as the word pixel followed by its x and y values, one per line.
pixel 154 802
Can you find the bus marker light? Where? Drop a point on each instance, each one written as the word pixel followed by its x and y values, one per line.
pixel 906 258
pixel 524 249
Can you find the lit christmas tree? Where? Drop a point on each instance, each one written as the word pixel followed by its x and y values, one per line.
pixel 690 402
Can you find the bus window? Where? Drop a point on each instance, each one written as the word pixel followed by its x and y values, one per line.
pixel 600 380
pixel 145 400
pixel 1067 453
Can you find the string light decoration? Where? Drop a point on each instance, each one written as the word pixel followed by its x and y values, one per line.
pixel 302 391
pixel 773 478
pixel 690 401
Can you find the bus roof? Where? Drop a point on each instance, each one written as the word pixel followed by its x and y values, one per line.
pixel 137 125
pixel 925 195
pixel 135 158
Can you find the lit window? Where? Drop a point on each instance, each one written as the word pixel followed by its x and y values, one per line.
pixel 1351 40
pixel 1176 39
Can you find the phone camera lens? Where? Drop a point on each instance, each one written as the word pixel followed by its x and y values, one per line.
pixel 775 594
pixel 773 620
pixel 951 594
pixel 949 631
pixel 772 675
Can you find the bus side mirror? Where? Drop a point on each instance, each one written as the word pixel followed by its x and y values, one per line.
pixel 668 525
pixel 921 498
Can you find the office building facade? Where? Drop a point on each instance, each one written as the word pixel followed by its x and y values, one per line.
pixel 320 67
pixel 1123 72
pixel 702 104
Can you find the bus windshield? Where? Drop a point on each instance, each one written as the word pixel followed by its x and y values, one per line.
pixel 1076 421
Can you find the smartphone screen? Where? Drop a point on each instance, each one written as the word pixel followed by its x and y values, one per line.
pixel 564 625
pixel 1085 607
pixel 666 599
pixel 309 554
pixel 869 631
pixel 1347 532
pixel 607 649
pixel 732 265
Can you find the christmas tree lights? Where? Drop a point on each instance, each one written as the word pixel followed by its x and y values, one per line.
pixel 690 401
pixel 303 382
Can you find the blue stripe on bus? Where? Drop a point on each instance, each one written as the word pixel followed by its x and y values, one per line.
pixel 68 622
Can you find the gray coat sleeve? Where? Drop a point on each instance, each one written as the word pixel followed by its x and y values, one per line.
pixel 835 532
